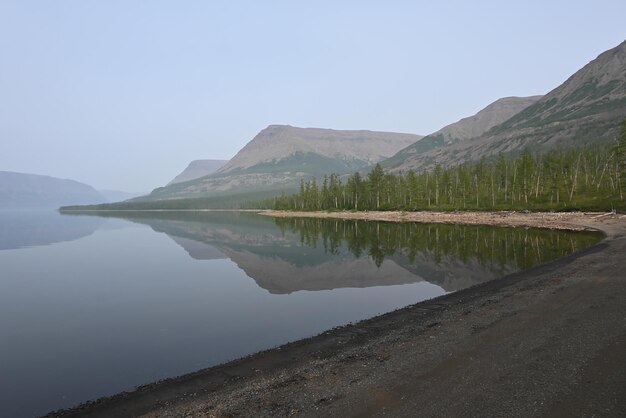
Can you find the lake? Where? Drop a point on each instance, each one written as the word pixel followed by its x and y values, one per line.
pixel 94 305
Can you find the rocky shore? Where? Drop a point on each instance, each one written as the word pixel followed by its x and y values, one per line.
pixel 549 341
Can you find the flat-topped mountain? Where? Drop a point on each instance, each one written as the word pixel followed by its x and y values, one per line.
pixel 588 107
pixel 197 169
pixel 353 149
pixel 466 128
pixel 279 156
pixel 21 190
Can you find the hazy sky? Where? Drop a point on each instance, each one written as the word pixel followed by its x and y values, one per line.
pixel 123 94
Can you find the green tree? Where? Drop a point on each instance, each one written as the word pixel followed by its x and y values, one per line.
pixel 620 153
pixel 375 178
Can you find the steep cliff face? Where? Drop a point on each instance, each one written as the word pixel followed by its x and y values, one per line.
pixel 588 107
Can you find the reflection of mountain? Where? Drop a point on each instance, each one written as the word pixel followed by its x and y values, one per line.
pixel 451 273
pixel 285 256
pixel 199 250
pixel 279 276
pixel 30 228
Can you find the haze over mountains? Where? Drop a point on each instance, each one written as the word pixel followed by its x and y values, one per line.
pixel 587 108
pixel 467 128
pixel 118 195
pixel 279 156
pixel 197 169
pixel 20 190
pixel 34 191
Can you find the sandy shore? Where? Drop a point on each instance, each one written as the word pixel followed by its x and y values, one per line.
pixel 549 341
pixel 573 220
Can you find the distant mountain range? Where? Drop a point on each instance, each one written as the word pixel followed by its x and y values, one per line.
pixel 35 191
pixel 587 108
pixel 20 190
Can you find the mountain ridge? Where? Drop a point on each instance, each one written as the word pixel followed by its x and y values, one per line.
pixel 587 107
pixel 25 190
pixel 465 128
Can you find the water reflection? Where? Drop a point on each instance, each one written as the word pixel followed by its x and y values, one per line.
pixel 30 228
pixel 126 306
pixel 285 255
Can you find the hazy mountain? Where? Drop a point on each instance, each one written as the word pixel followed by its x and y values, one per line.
pixel 279 144
pixel 587 107
pixel 466 128
pixel 20 190
pixel 197 169
pixel 279 156
pixel 118 195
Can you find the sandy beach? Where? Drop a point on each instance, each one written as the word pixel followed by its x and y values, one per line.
pixel 548 341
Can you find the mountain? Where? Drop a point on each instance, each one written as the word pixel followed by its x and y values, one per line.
pixel 118 195
pixel 466 128
pixel 197 169
pixel 20 190
pixel 281 144
pixel 279 156
pixel 587 108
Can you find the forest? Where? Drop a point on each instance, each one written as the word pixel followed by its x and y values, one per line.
pixel 585 178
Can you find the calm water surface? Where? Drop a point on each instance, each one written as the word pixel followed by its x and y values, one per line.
pixel 93 305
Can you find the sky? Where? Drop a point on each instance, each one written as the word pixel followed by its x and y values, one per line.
pixel 124 94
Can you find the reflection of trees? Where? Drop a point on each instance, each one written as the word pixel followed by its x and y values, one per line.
pixel 521 247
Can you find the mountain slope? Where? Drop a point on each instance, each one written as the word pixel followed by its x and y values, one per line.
pixel 587 107
pixel 197 169
pixel 279 156
pixel 20 190
pixel 118 195
pixel 466 128
pixel 354 148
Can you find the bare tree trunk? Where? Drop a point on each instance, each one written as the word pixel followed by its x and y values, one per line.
pixel 571 193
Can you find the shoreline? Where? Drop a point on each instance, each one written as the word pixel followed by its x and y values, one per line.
pixel 524 345
pixel 554 220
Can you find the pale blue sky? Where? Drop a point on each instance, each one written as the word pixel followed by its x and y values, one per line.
pixel 123 94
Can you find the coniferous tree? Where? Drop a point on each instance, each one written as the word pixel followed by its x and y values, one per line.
pixel 591 178
pixel 620 152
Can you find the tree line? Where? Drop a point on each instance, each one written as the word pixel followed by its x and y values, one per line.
pixel 586 178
